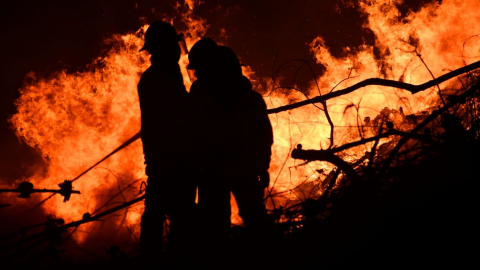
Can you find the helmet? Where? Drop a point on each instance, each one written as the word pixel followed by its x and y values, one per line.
pixel 201 52
pixel 227 61
pixel 159 35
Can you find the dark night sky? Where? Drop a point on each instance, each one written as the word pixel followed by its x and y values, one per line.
pixel 46 36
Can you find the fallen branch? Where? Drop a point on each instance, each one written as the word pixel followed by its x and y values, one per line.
pixel 382 82
pixel 325 155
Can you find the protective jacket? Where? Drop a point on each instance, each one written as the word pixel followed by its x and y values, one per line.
pixel 251 135
pixel 165 120
pixel 232 125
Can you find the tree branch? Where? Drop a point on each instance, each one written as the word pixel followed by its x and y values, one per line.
pixel 382 82
pixel 325 155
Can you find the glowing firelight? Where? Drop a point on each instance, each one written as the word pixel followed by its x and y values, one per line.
pixel 75 119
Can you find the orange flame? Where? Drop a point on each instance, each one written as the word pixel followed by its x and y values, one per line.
pixel 436 32
pixel 75 119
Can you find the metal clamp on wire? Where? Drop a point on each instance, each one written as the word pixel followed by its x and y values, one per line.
pixel 66 190
pixel 26 189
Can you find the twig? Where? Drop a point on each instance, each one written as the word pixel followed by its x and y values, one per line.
pixel 425 64
pixel 114 196
pixel 134 236
pixel 374 148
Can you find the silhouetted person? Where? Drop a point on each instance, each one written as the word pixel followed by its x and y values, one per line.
pixel 211 137
pixel 236 139
pixel 250 138
pixel 168 155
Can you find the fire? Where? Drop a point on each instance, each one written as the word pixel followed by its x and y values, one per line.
pixel 75 119
pixel 435 32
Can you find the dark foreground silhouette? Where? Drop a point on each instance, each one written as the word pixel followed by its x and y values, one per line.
pixel 415 208
pixel 168 155
pixel 234 138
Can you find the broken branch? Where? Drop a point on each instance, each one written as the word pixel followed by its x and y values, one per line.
pixel 382 82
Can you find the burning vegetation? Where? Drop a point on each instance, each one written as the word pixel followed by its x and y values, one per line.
pixel 375 162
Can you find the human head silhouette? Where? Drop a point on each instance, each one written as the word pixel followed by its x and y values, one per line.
pixel 200 57
pixel 162 39
pixel 226 62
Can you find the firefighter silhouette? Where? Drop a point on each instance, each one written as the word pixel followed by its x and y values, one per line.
pixel 234 137
pixel 168 155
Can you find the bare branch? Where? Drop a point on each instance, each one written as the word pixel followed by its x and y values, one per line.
pixel 382 82
pixel 325 155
